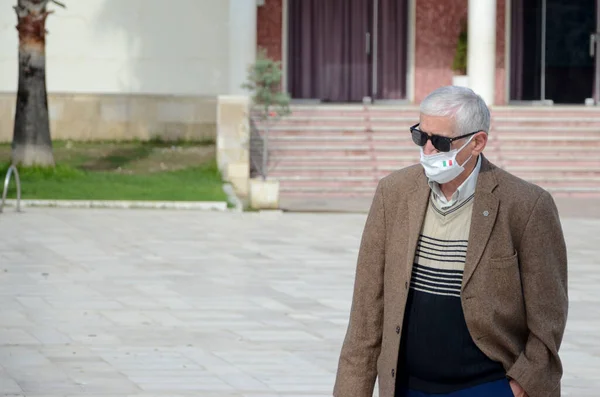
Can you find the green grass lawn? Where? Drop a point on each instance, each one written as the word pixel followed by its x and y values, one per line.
pixel 123 171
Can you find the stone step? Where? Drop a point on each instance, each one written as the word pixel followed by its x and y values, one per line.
pixel 359 180
pixel 369 173
pixel 365 166
pixel 544 111
pixel 368 195
pixel 511 147
pixel 343 150
pixel 337 152
pixel 542 156
pixel 364 163
pixel 533 167
pixel 413 111
pixel 360 132
pixel 347 163
pixel 390 152
pixel 341 120
pixel 546 145
pixel 412 118
pixel 331 189
pixel 502 129
pixel 493 149
pixel 340 139
pixel 525 147
pixel 392 163
pixel 357 128
pixel 554 118
pixel 349 191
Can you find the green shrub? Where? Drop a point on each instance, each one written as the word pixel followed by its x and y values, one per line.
pixel 460 57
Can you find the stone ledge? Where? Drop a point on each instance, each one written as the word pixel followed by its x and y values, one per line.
pixel 122 117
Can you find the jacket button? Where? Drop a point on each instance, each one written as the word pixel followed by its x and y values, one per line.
pixel 406 285
pixel 398 329
pixel 393 373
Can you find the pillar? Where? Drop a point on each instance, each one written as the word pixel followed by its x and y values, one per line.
pixel 233 138
pixel 242 42
pixel 481 53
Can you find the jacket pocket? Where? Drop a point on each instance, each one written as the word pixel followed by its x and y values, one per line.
pixel 505 262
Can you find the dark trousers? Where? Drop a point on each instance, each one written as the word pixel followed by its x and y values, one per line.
pixel 500 388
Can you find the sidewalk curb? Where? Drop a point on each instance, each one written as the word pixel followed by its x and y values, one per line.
pixel 124 204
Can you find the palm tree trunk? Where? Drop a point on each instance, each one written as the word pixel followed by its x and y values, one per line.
pixel 32 144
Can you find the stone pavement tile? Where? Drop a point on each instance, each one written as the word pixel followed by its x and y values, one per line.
pixel 74 365
pixel 136 302
pixel 103 382
pixel 180 384
pixel 126 317
pixel 9 386
pixel 48 335
pixel 172 304
pixel 83 393
pixel 33 302
pixel 8 304
pixel 12 336
pixel 163 319
pixel 17 357
pixel 69 351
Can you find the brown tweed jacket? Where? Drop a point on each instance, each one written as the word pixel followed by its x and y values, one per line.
pixel 514 289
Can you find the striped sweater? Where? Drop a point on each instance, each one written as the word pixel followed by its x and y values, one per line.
pixel 437 353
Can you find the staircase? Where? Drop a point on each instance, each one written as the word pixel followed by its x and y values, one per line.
pixel 331 151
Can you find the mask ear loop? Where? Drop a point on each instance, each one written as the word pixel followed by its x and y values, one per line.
pixel 464 146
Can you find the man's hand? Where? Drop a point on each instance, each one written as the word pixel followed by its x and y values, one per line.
pixel 517 389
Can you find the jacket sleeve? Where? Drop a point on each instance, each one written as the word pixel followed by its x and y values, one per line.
pixel 543 264
pixel 357 368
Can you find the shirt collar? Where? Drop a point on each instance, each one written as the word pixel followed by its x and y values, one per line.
pixel 464 191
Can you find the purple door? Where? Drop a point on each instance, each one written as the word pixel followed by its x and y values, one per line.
pixel 330 49
pixel 390 57
pixel 346 50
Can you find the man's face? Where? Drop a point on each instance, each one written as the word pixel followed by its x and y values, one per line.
pixel 442 126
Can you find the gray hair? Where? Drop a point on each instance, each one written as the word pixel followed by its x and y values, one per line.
pixel 468 109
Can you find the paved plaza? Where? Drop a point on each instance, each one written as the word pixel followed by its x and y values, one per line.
pixel 119 303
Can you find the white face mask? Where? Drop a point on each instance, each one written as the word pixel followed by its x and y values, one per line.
pixel 442 167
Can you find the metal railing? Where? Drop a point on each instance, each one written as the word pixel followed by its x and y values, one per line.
pixel 256 150
pixel 12 169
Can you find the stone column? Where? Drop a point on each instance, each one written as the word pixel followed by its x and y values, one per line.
pixel 242 42
pixel 233 136
pixel 481 57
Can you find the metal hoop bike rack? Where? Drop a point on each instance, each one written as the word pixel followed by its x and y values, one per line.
pixel 11 170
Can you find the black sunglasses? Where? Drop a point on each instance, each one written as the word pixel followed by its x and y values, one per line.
pixel 441 143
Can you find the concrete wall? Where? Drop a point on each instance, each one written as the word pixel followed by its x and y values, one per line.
pixel 125 69
pixel 91 117
pixel 176 47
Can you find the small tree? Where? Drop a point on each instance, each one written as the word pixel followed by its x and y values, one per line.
pixel 460 57
pixel 271 104
pixel 31 143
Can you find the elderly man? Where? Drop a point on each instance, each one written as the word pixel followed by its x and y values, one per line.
pixel 461 280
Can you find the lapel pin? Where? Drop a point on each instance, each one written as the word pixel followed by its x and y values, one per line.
pixel 486 213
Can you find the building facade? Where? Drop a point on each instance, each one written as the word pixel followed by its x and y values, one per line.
pixel 135 69
pixel 520 51
pixel 149 68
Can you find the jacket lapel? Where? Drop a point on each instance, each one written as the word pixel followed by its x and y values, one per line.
pixel 417 205
pixel 485 210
